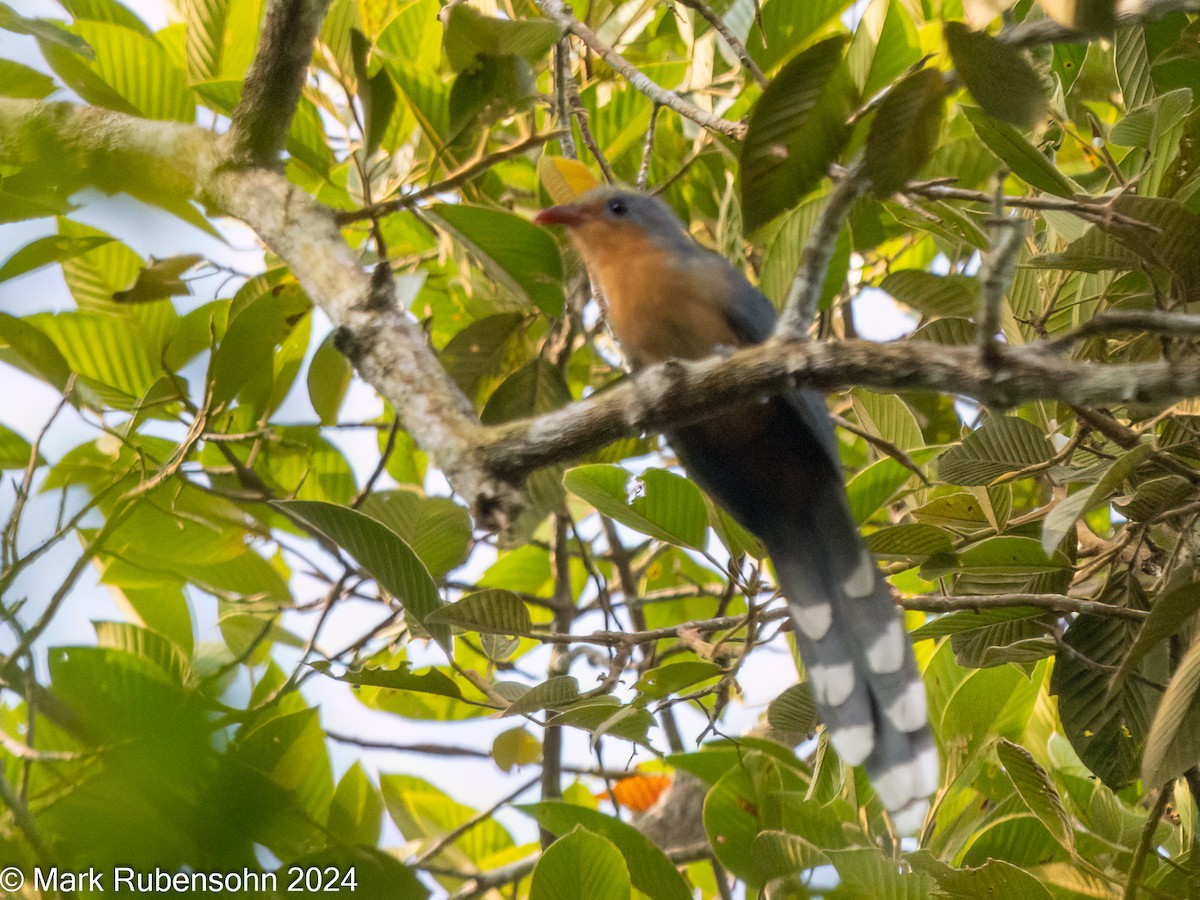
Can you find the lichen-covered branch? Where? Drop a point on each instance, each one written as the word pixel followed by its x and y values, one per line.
pixel 272 89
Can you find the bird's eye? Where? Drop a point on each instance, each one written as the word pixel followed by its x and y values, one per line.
pixel 617 206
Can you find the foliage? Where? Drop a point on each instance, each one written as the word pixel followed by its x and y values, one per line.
pixel 213 489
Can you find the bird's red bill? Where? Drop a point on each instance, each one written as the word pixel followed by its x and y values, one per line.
pixel 562 215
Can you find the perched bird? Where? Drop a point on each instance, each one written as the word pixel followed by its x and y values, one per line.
pixel 774 466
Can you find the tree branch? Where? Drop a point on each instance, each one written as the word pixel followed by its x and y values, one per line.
pixel 677 392
pixel 456 179
pixel 556 11
pixel 800 307
pixel 264 114
pixel 731 40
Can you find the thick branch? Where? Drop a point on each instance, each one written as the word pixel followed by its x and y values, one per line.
pixel 677 392
pixel 273 84
pixel 556 11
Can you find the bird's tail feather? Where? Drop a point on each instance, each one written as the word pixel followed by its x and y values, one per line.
pixel 858 656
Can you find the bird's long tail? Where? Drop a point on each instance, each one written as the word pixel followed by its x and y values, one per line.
pixel 857 654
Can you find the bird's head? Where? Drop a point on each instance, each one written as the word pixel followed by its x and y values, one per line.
pixel 610 223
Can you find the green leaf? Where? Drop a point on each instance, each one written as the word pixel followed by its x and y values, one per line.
pixel 22 82
pixel 966 620
pixel 131 72
pixel 243 363
pixel 1061 520
pixel 1037 790
pixel 888 417
pixel 1154 497
pixel 1170 240
pixel 998 75
pixel 581 866
pixel 422 812
pixel 1173 741
pixel 1107 732
pixel 875 485
pixel 793 712
pixel 992 702
pixel 29 348
pixel 868 872
pixel 519 255
pixel 436 528
pixel 15 451
pixel 778 854
pixel 912 542
pixel 1166 618
pixel 1132 64
pixel 401 678
pixel 555 693
pixel 470 35
pixel 96 274
pixel 379 550
pixel 662 505
pixel 488 612
pixel 145 643
pixel 108 352
pixel 329 376
pixel 995 878
pixel 478 351
pixel 45 30
pixel 671 678
pixel 795 130
pixel 933 295
pixel 1003 446
pixel 205 42
pixel 605 717
pixel 535 389
pixel 904 131
pixel 1026 161
pixel 490 90
pixel 787 27
pixel 44 251
pixel 885 44
pixel 649 869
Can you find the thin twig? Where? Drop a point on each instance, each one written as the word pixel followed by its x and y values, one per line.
pixel 800 307
pixel 647 150
pixel 463 174
pixel 1096 210
pixel 732 40
pixel 1167 324
pixel 482 816
pixel 580 113
pixel 556 11
pixel 995 275
pixel 1146 841
pixel 883 444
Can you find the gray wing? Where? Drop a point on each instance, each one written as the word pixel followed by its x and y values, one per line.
pixel 753 317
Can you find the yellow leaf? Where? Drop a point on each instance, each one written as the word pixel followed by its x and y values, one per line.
pixel 565 179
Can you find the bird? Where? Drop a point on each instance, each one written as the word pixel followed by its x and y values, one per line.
pixel 774 465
